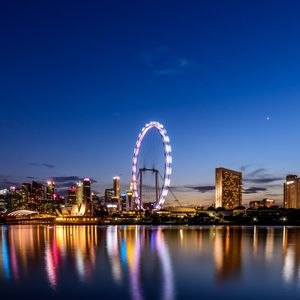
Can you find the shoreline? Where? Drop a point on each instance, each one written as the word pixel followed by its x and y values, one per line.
pixel 25 223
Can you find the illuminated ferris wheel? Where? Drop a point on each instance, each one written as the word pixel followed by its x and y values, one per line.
pixel 136 179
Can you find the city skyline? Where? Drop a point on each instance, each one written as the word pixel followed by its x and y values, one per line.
pixel 64 184
pixel 258 176
pixel 80 81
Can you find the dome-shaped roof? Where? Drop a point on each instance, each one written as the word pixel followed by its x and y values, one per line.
pixel 22 212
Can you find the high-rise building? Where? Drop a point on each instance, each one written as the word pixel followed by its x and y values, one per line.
pixel 109 194
pixel 79 192
pixel 50 189
pixel 292 192
pixel 38 191
pixel 228 188
pixel 129 201
pixel 26 191
pixel 116 186
pixel 15 200
pixel 37 194
pixel 71 196
pixel 96 200
pixel 87 196
pixel 87 193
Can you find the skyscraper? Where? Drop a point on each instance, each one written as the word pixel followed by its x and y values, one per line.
pixel 38 194
pixel 87 196
pixel 228 188
pixel 79 192
pixel 116 186
pixel 71 197
pixel 109 194
pixel 50 189
pixel 87 190
pixel 26 191
pixel 292 192
pixel 25 199
pixel 129 201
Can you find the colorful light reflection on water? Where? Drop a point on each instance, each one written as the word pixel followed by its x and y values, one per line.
pixel 136 262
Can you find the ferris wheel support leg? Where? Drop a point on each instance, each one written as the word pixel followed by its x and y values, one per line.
pixel 141 189
pixel 156 187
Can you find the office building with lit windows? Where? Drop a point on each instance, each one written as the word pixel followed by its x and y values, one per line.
pixel 87 193
pixel 71 195
pixel 87 196
pixel 26 191
pixel 228 188
pixel 108 195
pixel 37 191
pixel 292 192
pixel 116 186
pixel 50 189
pixel 79 192
pixel 261 203
pixel 129 200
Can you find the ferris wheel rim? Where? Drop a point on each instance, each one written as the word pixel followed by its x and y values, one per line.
pixel 168 162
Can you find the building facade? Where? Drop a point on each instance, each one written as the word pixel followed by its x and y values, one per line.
pixel 117 186
pixel 292 192
pixel 79 192
pixel 261 203
pixel 38 193
pixel 228 188
pixel 109 194
pixel 129 201
pixel 50 189
pixel 71 196
pixel 87 196
pixel 26 192
pixel 87 193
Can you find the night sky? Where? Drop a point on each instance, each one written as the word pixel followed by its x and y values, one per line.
pixel 79 79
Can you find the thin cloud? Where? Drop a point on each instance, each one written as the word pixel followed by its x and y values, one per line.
pixel 256 172
pixel 59 179
pixel 263 180
pixel 190 188
pixel 259 176
pixel 4 183
pixel 162 61
pixel 172 67
pixel 46 165
pixel 183 62
pixel 68 179
pixel 244 168
pixel 254 190
pixel 62 185
pixel 179 189
pixel 203 189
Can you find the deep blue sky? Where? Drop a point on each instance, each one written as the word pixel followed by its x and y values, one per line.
pixel 79 79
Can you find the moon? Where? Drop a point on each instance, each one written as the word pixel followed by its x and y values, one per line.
pixel 268 118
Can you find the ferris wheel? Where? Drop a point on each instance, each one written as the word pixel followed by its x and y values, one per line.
pixel 137 187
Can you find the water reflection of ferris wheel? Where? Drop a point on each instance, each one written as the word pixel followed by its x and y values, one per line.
pixel 162 251
pixel 151 167
pixel 128 249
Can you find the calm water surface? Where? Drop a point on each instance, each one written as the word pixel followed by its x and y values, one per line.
pixel 136 262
